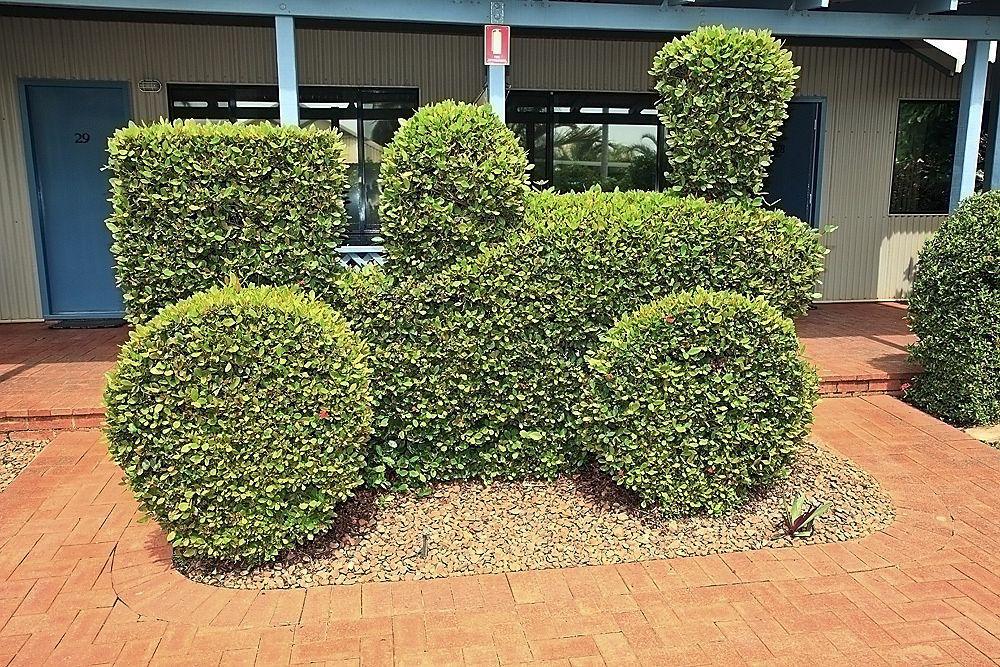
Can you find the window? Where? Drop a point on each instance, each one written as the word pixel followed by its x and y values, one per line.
pixel 578 140
pixel 367 118
pixel 925 156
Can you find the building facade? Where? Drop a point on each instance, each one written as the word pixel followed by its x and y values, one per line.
pixel 862 109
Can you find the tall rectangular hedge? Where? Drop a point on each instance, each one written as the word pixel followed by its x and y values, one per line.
pixel 195 204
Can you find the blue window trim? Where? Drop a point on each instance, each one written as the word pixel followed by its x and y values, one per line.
pixel 550 118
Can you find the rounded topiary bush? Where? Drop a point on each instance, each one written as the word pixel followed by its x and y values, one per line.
pixel 955 313
pixel 724 95
pixel 453 178
pixel 240 418
pixel 697 399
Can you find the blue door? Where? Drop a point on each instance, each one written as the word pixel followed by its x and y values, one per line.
pixel 792 181
pixel 68 126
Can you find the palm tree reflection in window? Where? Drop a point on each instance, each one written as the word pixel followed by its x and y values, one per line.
pixel 612 156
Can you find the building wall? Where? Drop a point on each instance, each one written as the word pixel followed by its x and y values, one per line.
pixel 871 253
pixel 442 66
pixel 35 48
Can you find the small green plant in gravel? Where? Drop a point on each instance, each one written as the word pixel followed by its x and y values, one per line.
pixel 454 178
pixel 480 368
pixel 698 399
pixel 241 417
pixel 800 520
pixel 955 312
pixel 724 95
pixel 194 204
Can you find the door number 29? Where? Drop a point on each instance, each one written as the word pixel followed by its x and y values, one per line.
pixel 81 137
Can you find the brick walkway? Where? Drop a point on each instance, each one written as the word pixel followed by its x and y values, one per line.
pixel 81 582
pixel 858 347
pixel 53 379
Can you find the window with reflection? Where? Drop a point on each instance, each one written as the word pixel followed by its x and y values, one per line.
pixel 577 140
pixel 926 131
pixel 367 118
pixel 924 157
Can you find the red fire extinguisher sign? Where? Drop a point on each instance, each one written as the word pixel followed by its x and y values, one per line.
pixel 497 44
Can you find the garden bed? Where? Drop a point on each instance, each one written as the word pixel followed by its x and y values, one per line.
pixel 583 519
pixel 15 455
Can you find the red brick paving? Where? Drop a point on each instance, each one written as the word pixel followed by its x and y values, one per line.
pixel 82 582
pixel 859 348
pixel 53 379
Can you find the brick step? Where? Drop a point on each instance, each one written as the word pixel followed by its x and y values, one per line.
pixel 77 419
pixel 862 386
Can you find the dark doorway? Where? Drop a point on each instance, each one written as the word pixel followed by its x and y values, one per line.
pixel 794 174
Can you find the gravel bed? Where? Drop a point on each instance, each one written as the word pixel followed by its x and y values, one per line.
pixel 582 519
pixel 987 434
pixel 15 455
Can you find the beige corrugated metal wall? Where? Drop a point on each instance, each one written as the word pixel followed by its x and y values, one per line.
pixel 871 251
pixel 34 48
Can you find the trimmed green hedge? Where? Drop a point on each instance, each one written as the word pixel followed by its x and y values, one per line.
pixel 240 418
pixel 453 179
pixel 480 371
pixel 356 293
pixel 720 246
pixel 723 99
pixel 955 313
pixel 697 399
pixel 194 204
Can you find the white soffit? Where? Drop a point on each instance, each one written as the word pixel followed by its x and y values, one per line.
pixel 954 50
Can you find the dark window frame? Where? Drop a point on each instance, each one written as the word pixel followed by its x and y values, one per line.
pixel 357 100
pixel 534 107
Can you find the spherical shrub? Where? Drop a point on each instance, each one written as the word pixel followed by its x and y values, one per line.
pixel 697 399
pixel 240 418
pixel 453 178
pixel 955 313
pixel 480 368
pixel 723 99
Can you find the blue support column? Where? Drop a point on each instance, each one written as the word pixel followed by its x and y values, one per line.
pixel 496 89
pixel 288 75
pixel 993 130
pixel 970 120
